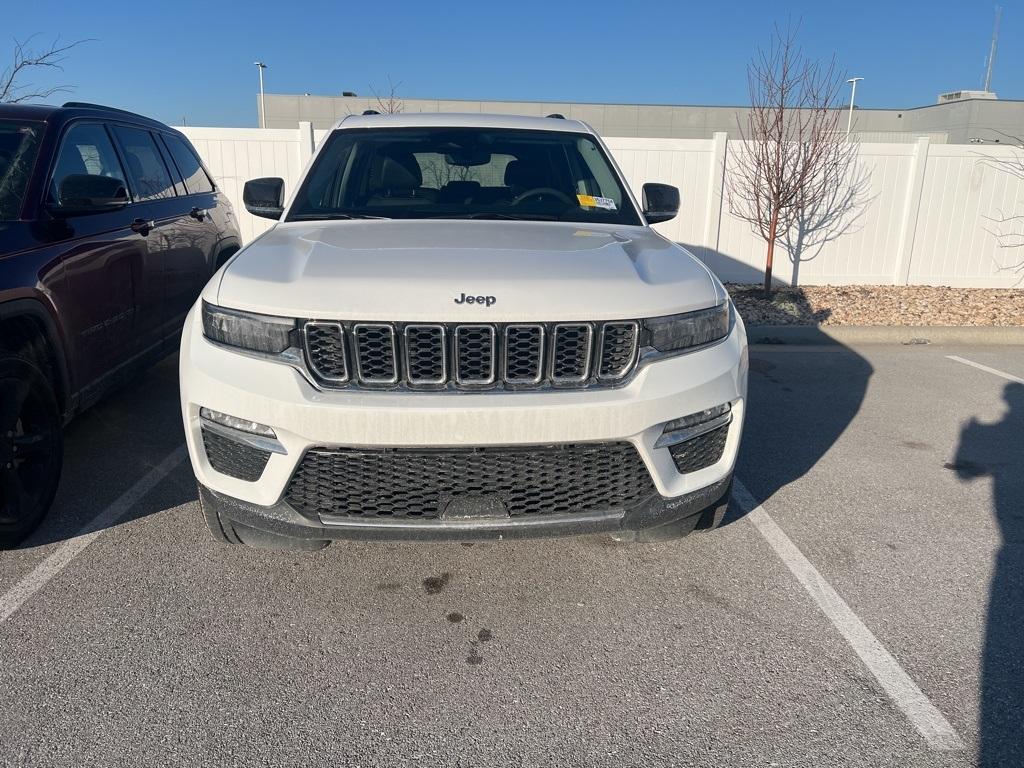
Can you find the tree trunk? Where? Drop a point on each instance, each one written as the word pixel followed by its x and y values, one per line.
pixel 772 234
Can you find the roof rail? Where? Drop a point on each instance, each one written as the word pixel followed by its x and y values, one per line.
pixel 370 112
pixel 556 116
pixel 88 105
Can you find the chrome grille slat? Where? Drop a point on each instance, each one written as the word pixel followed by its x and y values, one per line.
pixel 571 350
pixel 524 354
pixel 617 349
pixel 325 350
pixel 475 359
pixel 375 353
pixel 341 354
pixel 426 355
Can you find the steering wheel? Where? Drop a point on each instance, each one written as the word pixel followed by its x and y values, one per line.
pixel 540 191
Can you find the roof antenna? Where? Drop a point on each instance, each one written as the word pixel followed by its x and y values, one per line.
pixel 992 50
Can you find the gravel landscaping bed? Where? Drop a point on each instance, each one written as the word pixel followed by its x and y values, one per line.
pixel 880 305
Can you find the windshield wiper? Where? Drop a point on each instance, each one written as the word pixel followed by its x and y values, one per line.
pixel 496 215
pixel 328 216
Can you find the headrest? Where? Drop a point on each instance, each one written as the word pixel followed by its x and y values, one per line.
pixel 400 171
pixel 523 174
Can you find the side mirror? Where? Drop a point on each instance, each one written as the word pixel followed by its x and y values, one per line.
pixel 264 197
pixel 81 194
pixel 661 202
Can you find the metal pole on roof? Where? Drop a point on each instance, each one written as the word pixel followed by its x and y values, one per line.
pixel 263 103
pixel 853 95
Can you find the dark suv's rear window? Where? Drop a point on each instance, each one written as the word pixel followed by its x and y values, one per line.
pixel 192 172
pixel 19 143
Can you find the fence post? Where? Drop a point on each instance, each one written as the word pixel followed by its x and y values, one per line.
pixel 911 209
pixel 716 192
pixel 306 142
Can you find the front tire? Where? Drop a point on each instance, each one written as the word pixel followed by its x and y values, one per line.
pixel 31 447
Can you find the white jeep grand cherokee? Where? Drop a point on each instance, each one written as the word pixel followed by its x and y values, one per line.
pixel 462 327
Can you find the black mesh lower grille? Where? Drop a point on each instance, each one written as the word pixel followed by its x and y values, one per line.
pixel 420 483
pixel 234 459
pixel 701 451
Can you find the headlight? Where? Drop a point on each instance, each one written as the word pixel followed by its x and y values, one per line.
pixel 691 329
pixel 245 330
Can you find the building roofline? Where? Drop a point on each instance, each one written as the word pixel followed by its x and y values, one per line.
pixel 555 102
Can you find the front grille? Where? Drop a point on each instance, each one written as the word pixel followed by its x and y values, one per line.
pixel 700 452
pixel 421 483
pixel 470 355
pixel 234 459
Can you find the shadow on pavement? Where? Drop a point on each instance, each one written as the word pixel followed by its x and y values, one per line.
pixel 800 401
pixel 114 444
pixel 997 451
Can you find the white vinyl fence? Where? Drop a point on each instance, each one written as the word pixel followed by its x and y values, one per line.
pixel 923 215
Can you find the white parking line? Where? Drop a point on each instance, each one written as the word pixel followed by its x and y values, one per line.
pixel 980 367
pixel 61 557
pixel 905 694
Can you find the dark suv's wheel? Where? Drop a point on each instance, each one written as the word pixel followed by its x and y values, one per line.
pixel 31 447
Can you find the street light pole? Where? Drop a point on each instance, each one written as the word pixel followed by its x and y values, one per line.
pixel 263 103
pixel 853 95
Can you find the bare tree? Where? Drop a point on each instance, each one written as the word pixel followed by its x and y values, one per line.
pixel 14 90
pixel 793 156
pixel 1008 226
pixel 389 103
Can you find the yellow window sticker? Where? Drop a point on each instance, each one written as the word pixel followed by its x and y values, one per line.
pixel 590 201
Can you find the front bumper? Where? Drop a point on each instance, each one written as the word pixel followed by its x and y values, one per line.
pixel 304 417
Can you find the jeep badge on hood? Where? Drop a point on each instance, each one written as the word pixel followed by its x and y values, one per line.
pixel 464 299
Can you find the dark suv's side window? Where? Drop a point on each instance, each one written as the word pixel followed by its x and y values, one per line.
pixel 86 149
pixel 146 170
pixel 196 180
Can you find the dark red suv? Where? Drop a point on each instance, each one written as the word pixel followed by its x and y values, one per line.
pixel 110 226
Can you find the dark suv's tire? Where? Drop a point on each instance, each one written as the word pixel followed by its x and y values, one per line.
pixel 31 447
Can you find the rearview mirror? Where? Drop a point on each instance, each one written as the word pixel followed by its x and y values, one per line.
pixel 264 197
pixel 81 194
pixel 661 202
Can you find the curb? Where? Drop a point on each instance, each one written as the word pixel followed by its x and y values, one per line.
pixel 884 334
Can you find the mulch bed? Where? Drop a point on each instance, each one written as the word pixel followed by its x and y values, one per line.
pixel 880 305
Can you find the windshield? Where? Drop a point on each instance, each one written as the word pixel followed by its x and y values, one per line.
pixel 19 142
pixel 463 173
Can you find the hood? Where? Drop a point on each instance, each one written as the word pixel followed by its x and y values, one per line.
pixel 424 270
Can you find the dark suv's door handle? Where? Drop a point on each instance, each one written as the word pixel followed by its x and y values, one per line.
pixel 197 213
pixel 142 226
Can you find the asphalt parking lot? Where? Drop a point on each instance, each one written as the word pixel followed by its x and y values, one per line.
pixel 863 605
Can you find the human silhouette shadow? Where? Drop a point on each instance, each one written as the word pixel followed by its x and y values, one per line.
pixel 997 451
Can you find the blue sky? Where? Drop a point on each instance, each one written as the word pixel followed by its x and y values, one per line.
pixel 194 59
